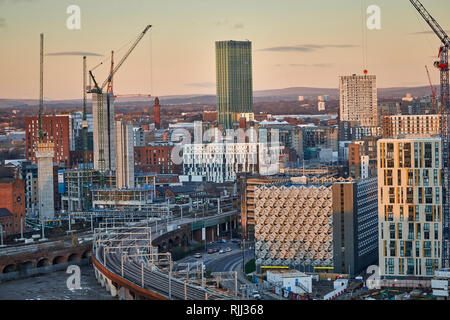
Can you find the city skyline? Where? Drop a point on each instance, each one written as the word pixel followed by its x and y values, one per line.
pixel 286 54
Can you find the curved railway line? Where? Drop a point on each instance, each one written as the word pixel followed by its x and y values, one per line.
pixel 124 251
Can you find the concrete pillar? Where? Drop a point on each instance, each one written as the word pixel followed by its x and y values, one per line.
pixel 44 155
pixel 112 288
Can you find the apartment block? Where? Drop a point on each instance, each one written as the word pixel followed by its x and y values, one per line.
pixel 410 206
pixel 411 125
pixel 358 99
pixel 57 130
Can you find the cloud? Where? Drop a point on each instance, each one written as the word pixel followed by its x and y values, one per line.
pixel 2 23
pixel 307 47
pixel 315 65
pixel 227 23
pixel 424 32
pixel 74 53
pixel 202 84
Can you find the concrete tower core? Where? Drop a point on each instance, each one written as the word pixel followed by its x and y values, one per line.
pixel 125 155
pixel 44 155
pixel 104 131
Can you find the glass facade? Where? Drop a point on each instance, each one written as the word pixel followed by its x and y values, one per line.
pixel 234 81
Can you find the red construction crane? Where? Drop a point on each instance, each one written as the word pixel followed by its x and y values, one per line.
pixel 444 113
pixel 433 90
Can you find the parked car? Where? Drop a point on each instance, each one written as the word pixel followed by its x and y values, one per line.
pixel 210 251
pixel 198 255
pixel 221 251
pixel 228 249
pixel 255 295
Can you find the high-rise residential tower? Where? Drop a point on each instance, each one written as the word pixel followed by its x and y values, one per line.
pixel 125 155
pixel 234 81
pixel 358 99
pixel 104 131
pixel 410 206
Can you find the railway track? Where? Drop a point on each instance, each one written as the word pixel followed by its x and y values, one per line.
pixel 143 274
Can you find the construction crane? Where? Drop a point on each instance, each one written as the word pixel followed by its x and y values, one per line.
pixel 433 90
pixel 442 65
pixel 41 90
pixel 99 89
pixel 97 92
pixel 84 140
pixel 109 88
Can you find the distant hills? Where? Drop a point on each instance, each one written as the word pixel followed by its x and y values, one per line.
pixel 259 96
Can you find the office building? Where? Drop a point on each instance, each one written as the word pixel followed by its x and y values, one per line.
pixel 234 81
pixel 156 158
pixel 221 162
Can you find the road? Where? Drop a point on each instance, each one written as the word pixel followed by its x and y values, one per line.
pixel 231 261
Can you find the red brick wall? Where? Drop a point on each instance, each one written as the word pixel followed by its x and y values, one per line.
pixel 155 159
pixel 12 197
pixel 57 129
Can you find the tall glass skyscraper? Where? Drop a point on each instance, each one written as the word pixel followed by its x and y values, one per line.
pixel 234 81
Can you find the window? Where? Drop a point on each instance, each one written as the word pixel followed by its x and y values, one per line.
pixel 410 267
pixel 428 213
pixel 428 157
pixel 391 265
pixel 392 230
pixel 409 195
pixel 411 231
pixel 428 195
pixel 427 249
pixel 426 231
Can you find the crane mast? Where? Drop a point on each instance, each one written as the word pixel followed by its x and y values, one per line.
pixel 442 65
pixel 41 89
pixel 433 90
pixel 111 74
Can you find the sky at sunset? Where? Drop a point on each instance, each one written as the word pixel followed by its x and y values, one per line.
pixel 295 43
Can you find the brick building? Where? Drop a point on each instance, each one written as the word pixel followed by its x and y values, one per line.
pixel 156 158
pixel 57 129
pixel 12 202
